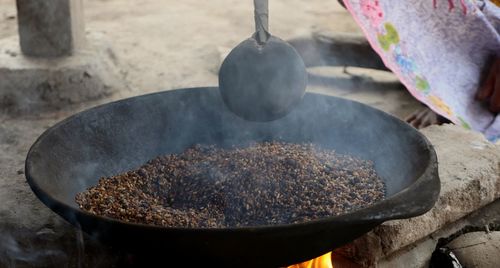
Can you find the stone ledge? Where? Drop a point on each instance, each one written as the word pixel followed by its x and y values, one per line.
pixel 30 85
pixel 418 255
pixel 469 169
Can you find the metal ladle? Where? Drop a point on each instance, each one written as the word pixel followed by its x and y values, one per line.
pixel 263 78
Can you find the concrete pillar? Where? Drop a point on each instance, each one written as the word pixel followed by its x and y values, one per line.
pixel 50 28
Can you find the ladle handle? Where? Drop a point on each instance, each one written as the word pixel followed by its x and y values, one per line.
pixel 261 20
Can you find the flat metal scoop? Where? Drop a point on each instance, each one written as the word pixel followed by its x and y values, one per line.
pixel 263 78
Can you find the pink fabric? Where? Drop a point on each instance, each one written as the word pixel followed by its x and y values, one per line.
pixel 438 50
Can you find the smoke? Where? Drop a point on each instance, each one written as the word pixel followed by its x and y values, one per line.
pixel 57 245
pixel 20 250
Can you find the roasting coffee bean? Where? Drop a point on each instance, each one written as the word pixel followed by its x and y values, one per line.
pixel 262 184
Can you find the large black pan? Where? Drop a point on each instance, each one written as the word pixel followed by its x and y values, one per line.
pixel 120 136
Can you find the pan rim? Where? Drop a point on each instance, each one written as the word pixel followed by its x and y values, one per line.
pixel 429 177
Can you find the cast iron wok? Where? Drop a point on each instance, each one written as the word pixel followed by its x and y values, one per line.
pixel 120 136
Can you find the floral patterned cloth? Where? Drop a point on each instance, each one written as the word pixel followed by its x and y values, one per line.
pixel 438 49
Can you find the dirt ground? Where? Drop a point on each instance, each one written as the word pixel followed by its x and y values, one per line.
pixel 167 44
